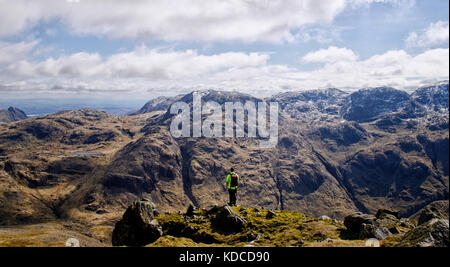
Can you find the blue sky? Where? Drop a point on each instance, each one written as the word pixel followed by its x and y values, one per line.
pixel 143 49
pixel 368 30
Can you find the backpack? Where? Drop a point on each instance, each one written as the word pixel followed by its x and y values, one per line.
pixel 234 180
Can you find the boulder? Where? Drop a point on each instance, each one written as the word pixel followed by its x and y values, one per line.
pixel 225 219
pixel 373 231
pixel 190 211
pixel 137 226
pixel 434 233
pixel 270 214
pixel 355 222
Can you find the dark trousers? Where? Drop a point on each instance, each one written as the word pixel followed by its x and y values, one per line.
pixel 232 193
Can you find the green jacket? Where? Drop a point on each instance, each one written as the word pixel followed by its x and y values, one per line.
pixel 228 182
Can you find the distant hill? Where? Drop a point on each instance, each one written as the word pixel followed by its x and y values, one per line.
pixel 12 114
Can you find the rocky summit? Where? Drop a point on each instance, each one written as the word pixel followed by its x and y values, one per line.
pixel 252 227
pixel 338 154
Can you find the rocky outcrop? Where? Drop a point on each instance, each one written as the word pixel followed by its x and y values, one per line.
pixel 225 219
pixel 432 229
pixel 373 231
pixel 441 205
pixel 433 233
pixel 384 224
pixel 429 213
pixel 355 223
pixel 138 226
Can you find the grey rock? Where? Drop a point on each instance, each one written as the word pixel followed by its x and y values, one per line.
pixel 226 219
pixel 387 221
pixel 355 222
pixel 270 214
pixel 372 231
pixel 137 226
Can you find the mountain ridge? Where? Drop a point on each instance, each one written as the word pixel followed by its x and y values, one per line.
pixel 323 164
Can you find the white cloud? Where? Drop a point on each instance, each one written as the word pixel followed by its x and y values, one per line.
pixel 435 34
pixel 140 63
pixel 394 68
pixel 330 55
pixel 212 20
pixel 17 16
pixel 169 72
pixel 10 52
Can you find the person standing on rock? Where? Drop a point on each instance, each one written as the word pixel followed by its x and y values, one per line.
pixel 232 185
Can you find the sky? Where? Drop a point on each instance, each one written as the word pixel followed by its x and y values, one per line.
pixel 136 50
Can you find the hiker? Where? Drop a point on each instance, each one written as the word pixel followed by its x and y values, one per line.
pixel 232 184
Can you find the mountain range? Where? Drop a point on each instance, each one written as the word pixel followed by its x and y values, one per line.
pixel 337 153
